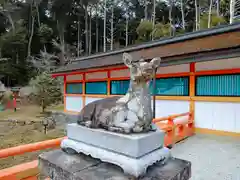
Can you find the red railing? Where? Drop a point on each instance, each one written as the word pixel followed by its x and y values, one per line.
pixel 176 127
pixel 26 171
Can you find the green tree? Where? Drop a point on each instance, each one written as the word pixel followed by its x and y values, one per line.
pixel 161 30
pixel 47 90
pixel 215 20
pixel 144 31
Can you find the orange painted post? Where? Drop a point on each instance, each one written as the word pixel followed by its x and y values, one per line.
pixel 168 138
pixel 83 89
pixel 64 92
pixel 108 83
pixel 190 125
pixel 30 147
pixel 180 132
pixel 192 95
pixel 171 133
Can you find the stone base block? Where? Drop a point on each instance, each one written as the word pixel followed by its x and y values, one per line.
pixel 133 145
pixel 130 165
pixel 59 165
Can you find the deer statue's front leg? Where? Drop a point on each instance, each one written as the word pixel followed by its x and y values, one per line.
pixel 124 120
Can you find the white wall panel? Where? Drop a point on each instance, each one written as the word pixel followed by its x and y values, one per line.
pixel 96 75
pixel 237 117
pixel 203 115
pixel 218 64
pixel 74 77
pixel 119 73
pixel 170 107
pixel 174 69
pixel 222 116
pixel 90 99
pixel 73 103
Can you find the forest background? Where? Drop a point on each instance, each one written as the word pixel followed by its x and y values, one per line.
pixel 41 35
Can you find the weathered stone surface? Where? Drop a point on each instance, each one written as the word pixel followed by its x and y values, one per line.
pixel 61 166
pixel 133 145
pixel 130 165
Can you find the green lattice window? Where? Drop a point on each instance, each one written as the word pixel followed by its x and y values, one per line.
pixel 218 85
pixel 119 87
pixel 175 86
pixel 96 87
pixel 74 88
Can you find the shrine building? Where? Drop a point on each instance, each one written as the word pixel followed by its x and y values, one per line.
pixel 199 72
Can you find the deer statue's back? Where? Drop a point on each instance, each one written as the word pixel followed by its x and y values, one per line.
pixel 127 114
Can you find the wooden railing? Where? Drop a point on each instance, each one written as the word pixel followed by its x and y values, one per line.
pixel 176 127
pixel 26 171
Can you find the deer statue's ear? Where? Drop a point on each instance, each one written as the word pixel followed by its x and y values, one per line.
pixel 127 59
pixel 156 62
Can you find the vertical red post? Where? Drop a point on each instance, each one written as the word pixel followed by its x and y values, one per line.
pixel 15 102
pixel 190 126
pixel 171 133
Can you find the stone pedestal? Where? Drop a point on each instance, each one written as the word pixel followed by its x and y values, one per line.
pixel 59 165
pixel 133 152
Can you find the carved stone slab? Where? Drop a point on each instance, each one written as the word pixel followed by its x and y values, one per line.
pixel 130 165
pixel 59 165
pixel 133 145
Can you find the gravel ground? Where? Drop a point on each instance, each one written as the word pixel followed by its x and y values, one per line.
pixel 212 157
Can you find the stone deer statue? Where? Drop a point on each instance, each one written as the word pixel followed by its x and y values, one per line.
pixel 131 113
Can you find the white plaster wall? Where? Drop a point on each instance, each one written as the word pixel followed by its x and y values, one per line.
pixel 74 103
pixel 90 99
pixel 74 77
pixel 169 107
pixel 224 116
pixel 119 73
pixel 96 75
pixel 218 64
pixel 174 69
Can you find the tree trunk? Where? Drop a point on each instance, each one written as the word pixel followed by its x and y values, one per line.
pixel 31 35
pixel 126 40
pixel 183 16
pixel 170 17
pixel 39 24
pixel 112 30
pixel 196 15
pixel 232 8
pixel 90 32
pixel 86 30
pixel 78 45
pixel 218 8
pixel 11 21
pixel 146 10
pixel 153 17
pixel 104 28
pixel 97 35
pixel 38 15
pixel 96 29
pixel 199 16
pixel 62 44
pixel 210 14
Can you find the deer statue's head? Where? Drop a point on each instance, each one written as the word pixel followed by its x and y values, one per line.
pixel 141 71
